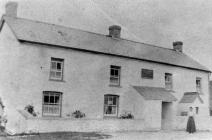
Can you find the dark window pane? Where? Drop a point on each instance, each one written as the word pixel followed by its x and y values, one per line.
pixel 57 99
pixel 168 77
pixel 198 82
pixel 51 99
pixel 109 110
pixel 114 100
pixel 59 66
pixel 116 72
pixel 146 73
pixel 46 99
pixel 112 72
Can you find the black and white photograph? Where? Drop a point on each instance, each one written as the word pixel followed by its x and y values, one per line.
pixel 105 70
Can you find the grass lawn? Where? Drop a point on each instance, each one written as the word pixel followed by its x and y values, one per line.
pixel 59 136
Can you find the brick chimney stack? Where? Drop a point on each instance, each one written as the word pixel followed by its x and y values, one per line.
pixel 178 46
pixel 11 9
pixel 115 31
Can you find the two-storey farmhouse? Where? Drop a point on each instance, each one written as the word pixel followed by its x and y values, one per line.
pixel 59 70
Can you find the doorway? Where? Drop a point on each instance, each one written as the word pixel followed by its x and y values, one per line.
pixel 166 115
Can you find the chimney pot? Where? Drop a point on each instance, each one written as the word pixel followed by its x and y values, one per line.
pixel 115 31
pixel 178 46
pixel 11 9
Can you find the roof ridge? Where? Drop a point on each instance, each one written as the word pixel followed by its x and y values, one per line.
pixel 48 23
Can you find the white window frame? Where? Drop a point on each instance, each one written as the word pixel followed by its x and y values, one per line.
pixel 199 86
pixel 107 98
pixel 169 83
pixel 52 109
pixel 54 70
pixel 115 79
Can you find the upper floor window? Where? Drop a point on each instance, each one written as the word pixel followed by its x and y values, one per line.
pixel 115 75
pixel 168 81
pixel 147 74
pixel 111 105
pixel 52 103
pixel 198 84
pixel 197 110
pixel 56 70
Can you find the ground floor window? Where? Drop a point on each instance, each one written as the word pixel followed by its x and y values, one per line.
pixel 52 103
pixel 111 105
pixel 184 113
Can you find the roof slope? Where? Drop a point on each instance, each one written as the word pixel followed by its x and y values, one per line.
pixel 190 97
pixel 155 93
pixel 39 32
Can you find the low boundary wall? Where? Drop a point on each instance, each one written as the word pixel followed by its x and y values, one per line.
pixel 86 125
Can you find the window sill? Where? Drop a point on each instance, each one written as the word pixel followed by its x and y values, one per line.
pixel 146 78
pixel 51 117
pixel 170 90
pixel 110 117
pixel 55 80
pixel 118 86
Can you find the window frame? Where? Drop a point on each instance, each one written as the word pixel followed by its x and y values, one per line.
pixel 144 71
pixel 59 105
pixel 56 70
pixel 117 105
pixel 199 87
pixel 184 113
pixel 197 110
pixel 170 82
pixel 118 77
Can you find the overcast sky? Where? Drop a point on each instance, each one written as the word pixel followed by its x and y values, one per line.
pixel 158 22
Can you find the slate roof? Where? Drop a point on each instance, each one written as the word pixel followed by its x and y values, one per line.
pixel 50 34
pixel 190 97
pixel 155 93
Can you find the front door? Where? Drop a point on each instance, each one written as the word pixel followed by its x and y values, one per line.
pixel 166 115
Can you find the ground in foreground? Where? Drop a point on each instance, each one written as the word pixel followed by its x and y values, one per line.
pixel 159 135
pixel 162 135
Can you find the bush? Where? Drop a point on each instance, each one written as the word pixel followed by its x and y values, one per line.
pixel 78 114
pixel 30 109
pixel 2 128
pixel 126 116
